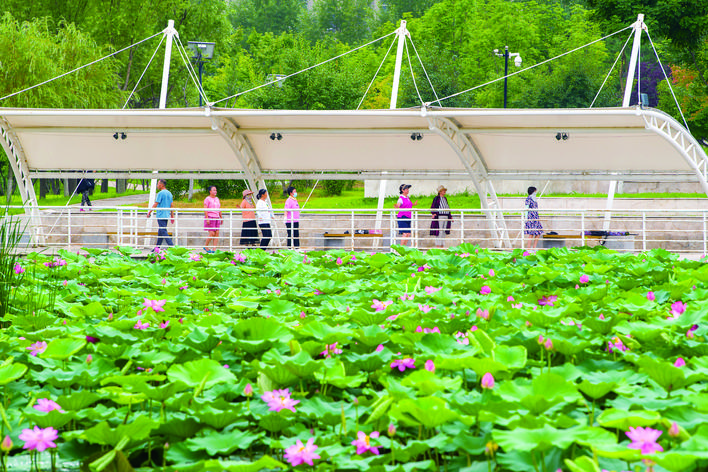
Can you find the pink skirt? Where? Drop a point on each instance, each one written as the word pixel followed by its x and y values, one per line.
pixel 212 224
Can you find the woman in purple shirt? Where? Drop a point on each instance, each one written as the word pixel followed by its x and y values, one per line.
pixel 404 216
pixel 292 218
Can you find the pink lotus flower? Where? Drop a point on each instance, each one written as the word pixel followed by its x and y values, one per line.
pixel 510 299
pixel 405 297
pixel 380 306
pixel 431 290
pixel 240 258
pixel 302 454
pixel 584 279
pixel 6 445
pixel 677 309
pixel 92 340
pixel 488 381
pixel 18 269
pixel 548 300
pixel 526 253
pixel 46 405
pixel 616 343
pixel 339 261
pixel 650 296
pixel 37 348
pixel 601 317
pixel 141 325
pixel 329 350
pixel 248 390
pixel 644 439
pixel 195 257
pixel 679 362
pixel 379 348
pixel 38 439
pixel 484 314
pixel 156 305
pixel 424 308
pixel 403 364
pixel 491 272
pixel 279 400
pixel 690 334
pixel 674 430
pixel 548 344
pixel 430 365
pixel 363 443
pixel 165 324
pixel 485 290
pixel 423 267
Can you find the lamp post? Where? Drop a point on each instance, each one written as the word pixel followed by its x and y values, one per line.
pixel 517 62
pixel 201 52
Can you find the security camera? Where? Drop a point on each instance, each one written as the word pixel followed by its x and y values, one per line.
pixel 517 61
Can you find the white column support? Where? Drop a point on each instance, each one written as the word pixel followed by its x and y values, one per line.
pixel 18 163
pixel 631 73
pixel 401 32
pixel 474 164
pixel 169 32
pixel 246 156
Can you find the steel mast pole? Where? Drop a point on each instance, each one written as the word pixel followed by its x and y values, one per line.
pixel 506 71
pixel 401 32
pixel 169 33
pixel 634 57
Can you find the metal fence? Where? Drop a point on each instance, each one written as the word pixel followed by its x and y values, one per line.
pixel 684 231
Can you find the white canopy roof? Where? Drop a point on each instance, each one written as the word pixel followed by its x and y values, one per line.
pixel 617 143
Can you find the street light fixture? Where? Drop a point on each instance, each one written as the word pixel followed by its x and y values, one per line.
pixel 201 52
pixel 517 62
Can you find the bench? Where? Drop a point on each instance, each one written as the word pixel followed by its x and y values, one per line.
pixel 338 239
pixel 618 243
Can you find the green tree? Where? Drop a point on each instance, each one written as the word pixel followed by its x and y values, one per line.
pixel 272 16
pixel 349 21
pixel 394 10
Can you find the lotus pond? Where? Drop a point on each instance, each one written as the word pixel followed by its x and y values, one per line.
pixel 459 360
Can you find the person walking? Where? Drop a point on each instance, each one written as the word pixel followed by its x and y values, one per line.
pixel 249 228
pixel 292 218
pixel 533 226
pixel 212 219
pixel 164 205
pixel 404 216
pixel 439 229
pixel 264 216
pixel 84 188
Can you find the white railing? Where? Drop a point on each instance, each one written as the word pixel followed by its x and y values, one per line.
pixel 684 231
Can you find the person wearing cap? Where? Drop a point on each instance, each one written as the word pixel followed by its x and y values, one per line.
pixel 249 229
pixel 441 210
pixel 264 216
pixel 404 216
pixel 292 218
pixel 212 219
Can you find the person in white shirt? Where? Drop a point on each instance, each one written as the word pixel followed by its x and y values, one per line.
pixel 264 217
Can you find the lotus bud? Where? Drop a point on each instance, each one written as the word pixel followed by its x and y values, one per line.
pixel 488 381
pixel 89 359
pixel 6 444
pixel 679 362
pixel 674 430
pixel 167 446
pixel 548 344
pixel 248 390
pixel 391 430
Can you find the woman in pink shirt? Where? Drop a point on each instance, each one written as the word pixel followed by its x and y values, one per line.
pixel 212 219
pixel 292 218
pixel 404 216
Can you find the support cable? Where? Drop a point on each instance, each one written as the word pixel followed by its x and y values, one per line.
pixel 141 75
pixel 303 70
pixel 668 82
pixel 535 65
pixel 190 69
pixel 410 65
pixel 377 72
pixel 78 68
pixel 611 69
pixel 437 99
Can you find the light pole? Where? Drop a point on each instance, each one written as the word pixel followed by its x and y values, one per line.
pixel 201 52
pixel 506 56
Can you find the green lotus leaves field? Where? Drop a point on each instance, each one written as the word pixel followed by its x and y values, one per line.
pixel 464 360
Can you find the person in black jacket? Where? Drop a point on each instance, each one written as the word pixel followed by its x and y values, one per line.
pixel 442 219
pixel 84 188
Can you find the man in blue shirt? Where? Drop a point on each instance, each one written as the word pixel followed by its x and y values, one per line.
pixel 162 201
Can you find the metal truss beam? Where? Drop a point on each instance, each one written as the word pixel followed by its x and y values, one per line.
pixel 472 160
pixel 18 162
pixel 682 141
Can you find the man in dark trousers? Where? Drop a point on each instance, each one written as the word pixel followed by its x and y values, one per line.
pixel 163 203
pixel 84 188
